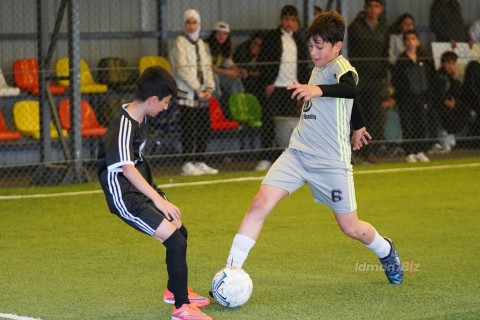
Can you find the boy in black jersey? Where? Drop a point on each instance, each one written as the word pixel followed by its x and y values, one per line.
pixel 126 180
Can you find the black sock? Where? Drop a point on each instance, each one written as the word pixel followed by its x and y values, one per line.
pixel 183 231
pixel 177 268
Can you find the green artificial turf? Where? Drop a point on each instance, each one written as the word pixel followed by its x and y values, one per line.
pixel 66 257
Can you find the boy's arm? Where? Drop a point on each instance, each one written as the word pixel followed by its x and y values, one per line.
pixel 136 178
pixel 360 135
pixel 346 88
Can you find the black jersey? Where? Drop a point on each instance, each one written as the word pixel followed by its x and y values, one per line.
pixel 122 144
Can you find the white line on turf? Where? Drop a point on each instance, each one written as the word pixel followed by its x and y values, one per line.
pixel 208 182
pixel 15 317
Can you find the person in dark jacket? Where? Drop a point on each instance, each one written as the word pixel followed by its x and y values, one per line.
pixel 411 76
pixel 446 22
pixel 368 40
pixel 284 60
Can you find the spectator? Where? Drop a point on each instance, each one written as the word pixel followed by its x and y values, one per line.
pixel 226 74
pixel 402 24
pixel 368 52
pixel 392 130
pixel 449 105
pixel 246 57
pixel 410 79
pixel 284 60
pixel 446 22
pixel 193 72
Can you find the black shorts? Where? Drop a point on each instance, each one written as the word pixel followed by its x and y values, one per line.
pixel 130 205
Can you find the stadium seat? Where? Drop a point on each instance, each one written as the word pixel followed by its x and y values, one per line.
pixel 114 72
pixel 87 84
pixel 89 124
pixel 148 61
pixel 218 122
pixel 6 134
pixel 245 108
pixel 5 89
pixel 25 75
pixel 26 116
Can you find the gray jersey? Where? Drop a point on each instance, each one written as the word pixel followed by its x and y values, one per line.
pixel 324 126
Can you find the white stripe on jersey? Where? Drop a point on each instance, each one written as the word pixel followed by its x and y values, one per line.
pixel 124 138
pixel 116 192
pixel 342 129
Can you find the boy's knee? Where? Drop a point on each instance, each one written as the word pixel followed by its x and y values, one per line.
pixel 176 242
pixel 350 230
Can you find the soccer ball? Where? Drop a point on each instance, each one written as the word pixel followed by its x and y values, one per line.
pixel 232 287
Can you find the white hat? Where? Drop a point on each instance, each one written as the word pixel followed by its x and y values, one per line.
pixel 222 26
pixel 191 13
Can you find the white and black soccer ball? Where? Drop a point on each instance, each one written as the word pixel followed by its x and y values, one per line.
pixel 232 287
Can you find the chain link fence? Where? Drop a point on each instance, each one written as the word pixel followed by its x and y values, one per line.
pixel 412 106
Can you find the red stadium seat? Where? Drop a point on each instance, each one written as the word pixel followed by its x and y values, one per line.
pixel 90 125
pixel 218 122
pixel 5 133
pixel 25 75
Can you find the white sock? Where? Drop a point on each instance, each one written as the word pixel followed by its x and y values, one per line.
pixel 379 246
pixel 239 251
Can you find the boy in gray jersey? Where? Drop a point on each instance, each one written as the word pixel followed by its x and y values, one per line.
pixel 319 152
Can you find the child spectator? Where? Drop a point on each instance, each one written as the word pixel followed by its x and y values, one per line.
pixel 228 77
pixel 410 79
pixel 448 103
pixel 402 24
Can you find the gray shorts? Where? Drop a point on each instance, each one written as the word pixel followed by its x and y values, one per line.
pixel 331 182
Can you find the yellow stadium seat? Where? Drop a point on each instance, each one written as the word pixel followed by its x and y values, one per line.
pixel 26 116
pixel 148 61
pixel 87 83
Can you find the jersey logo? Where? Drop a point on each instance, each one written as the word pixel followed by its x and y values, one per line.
pixel 307 106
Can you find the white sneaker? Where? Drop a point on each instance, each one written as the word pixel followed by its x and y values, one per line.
pixel 411 158
pixel 202 166
pixel 437 148
pixel 421 157
pixel 263 165
pixel 451 141
pixel 189 169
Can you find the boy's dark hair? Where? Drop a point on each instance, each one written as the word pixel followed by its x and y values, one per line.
pixel 329 26
pixel 448 56
pixel 409 32
pixel 289 10
pixel 155 81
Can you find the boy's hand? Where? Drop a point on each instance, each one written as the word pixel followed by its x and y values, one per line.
pixel 304 92
pixel 360 138
pixel 170 211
